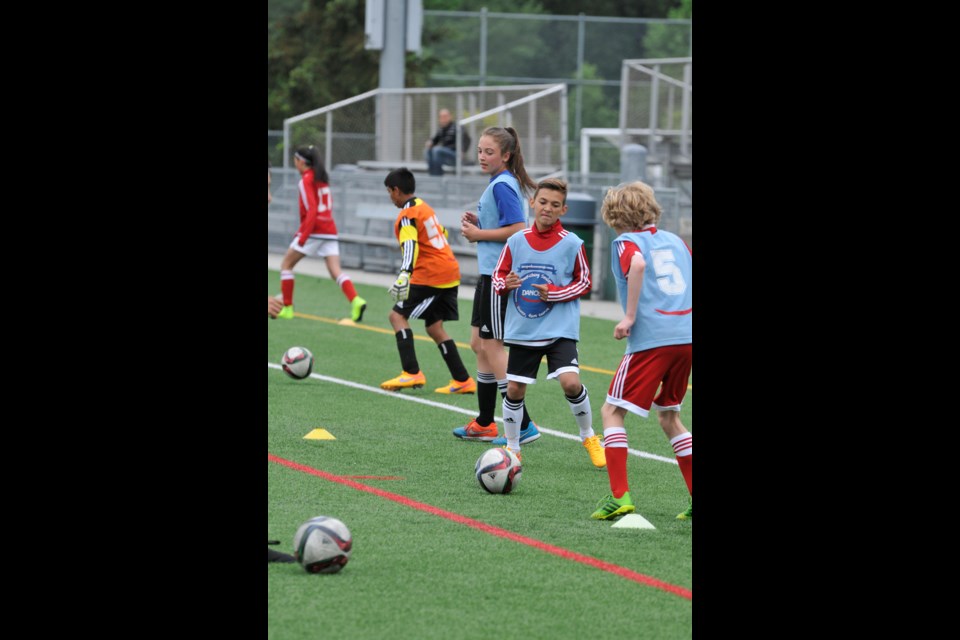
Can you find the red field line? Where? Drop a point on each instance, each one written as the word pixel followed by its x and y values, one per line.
pixel 623 572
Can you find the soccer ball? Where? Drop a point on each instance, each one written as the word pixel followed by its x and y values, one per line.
pixel 297 362
pixel 498 471
pixel 322 545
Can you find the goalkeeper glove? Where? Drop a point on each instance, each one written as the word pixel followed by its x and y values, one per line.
pixel 401 288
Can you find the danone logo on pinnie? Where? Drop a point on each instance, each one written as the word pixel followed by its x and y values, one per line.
pixel 527 299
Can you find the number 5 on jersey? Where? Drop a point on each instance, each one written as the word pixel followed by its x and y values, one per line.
pixel 435 232
pixel 669 277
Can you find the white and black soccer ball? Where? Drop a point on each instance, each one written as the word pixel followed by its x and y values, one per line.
pixel 498 471
pixel 322 545
pixel 297 362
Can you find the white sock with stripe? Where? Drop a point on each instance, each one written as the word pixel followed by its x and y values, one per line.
pixel 580 408
pixel 614 437
pixel 512 417
pixel 682 444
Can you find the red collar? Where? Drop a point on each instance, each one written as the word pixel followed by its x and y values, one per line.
pixel 556 228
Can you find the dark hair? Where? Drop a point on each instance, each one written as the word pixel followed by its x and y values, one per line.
pixel 311 155
pixel 509 142
pixel 554 184
pixel 401 178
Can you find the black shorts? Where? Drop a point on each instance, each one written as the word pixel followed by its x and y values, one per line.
pixel 489 310
pixel 429 304
pixel 523 363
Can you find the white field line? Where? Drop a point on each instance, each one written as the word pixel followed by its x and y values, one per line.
pixel 468 412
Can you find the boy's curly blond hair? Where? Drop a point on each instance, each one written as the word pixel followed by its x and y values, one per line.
pixel 630 206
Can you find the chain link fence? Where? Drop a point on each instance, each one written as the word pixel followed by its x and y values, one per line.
pixel 584 52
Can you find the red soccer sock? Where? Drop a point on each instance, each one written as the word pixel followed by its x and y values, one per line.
pixel 686 468
pixel 617 470
pixel 615 448
pixel 683 447
pixel 346 284
pixel 286 287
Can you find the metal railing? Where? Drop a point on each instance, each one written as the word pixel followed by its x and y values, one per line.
pixel 388 128
pixel 650 91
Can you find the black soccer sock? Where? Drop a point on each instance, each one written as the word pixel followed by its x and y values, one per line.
pixel 408 355
pixel 451 356
pixel 486 397
pixel 502 385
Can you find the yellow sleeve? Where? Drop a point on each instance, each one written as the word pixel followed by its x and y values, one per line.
pixel 408 232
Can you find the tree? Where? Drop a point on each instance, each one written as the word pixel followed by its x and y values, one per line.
pixel 666 41
pixel 619 8
pixel 316 56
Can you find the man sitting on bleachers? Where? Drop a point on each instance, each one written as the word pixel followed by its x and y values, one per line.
pixel 442 148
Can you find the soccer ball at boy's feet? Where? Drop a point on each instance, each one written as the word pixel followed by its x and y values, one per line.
pixel 297 362
pixel 322 545
pixel 498 470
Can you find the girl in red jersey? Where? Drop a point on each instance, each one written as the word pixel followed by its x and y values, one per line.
pixel 317 235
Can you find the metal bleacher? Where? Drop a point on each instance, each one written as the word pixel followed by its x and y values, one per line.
pixel 364 137
pixel 365 216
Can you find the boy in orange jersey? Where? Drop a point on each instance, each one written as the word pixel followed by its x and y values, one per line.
pixel 426 287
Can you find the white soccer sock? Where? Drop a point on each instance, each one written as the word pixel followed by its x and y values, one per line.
pixel 682 444
pixel 614 437
pixel 512 417
pixel 580 408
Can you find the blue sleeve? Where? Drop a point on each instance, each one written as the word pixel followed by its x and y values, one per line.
pixel 508 204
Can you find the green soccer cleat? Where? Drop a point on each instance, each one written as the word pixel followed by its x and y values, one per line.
pixel 286 313
pixel 611 507
pixel 357 307
pixel 688 514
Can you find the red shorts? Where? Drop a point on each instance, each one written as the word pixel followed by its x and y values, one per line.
pixel 634 387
